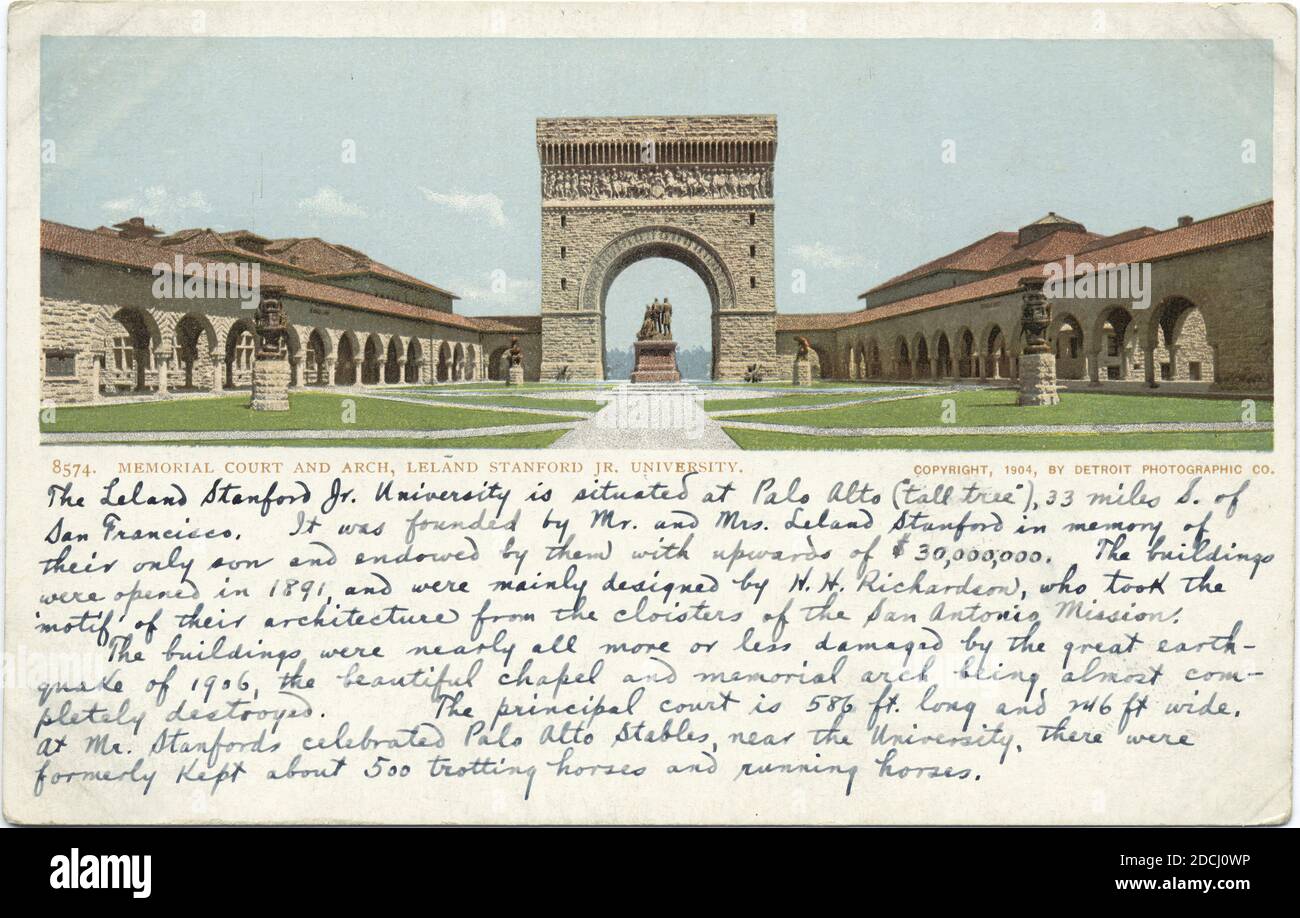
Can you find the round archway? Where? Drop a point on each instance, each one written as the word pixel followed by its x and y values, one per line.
pixel 660 242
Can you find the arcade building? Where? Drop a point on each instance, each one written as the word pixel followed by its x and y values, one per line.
pixel 697 189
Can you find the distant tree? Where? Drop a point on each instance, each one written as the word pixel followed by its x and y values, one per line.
pixel 694 363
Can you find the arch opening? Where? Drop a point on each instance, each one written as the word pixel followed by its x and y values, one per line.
pixel 659 244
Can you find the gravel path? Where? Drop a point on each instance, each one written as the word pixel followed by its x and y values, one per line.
pixel 649 416
pixel 439 403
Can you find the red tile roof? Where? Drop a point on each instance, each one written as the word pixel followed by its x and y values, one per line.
pixel 981 255
pixel 305 255
pixel 92 245
pixel 1002 251
pixel 1252 222
pixel 531 324
pixel 1049 248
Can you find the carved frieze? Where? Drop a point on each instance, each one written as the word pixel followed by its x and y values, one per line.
pixel 655 182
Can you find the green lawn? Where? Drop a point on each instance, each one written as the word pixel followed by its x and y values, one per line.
pixel 308 411
pixel 997 408
pixel 777 402
pixel 533 439
pixel 1246 440
pixel 581 405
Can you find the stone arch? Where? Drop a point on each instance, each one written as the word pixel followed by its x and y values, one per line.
pixel 967 353
pixel 444 362
pixel 920 357
pixel 1068 344
pixel 875 362
pixel 373 354
pixel 943 367
pixel 196 340
pixel 239 351
pixel 902 359
pixel 997 352
pixel 1160 340
pixel 498 363
pixel 414 360
pixel 658 241
pixel 131 337
pixel 316 358
pixel 1117 354
pixel 825 362
pixel 1190 341
pixel 348 348
pixel 394 357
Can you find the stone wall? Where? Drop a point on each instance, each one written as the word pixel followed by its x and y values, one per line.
pixel 80 299
pixel 705 201
pixel 1228 330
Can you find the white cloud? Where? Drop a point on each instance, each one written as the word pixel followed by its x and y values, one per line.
pixel 158 205
pixel 496 292
pixel 480 206
pixel 329 203
pixel 821 255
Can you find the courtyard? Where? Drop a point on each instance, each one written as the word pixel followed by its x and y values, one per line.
pixel 614 414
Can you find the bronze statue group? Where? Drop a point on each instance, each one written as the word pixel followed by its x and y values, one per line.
pixel 658 321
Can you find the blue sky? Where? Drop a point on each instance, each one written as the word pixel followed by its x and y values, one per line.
pixel 248 133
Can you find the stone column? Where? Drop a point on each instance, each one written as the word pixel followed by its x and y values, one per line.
pixel 271 357
pixel 94 376
pixel 163 361
pixel 401 372
pixel 1092 366
pixel 423 370
pixel 295 372
pixel 994 365
pixel 1037 363
pixel 218 368
pixel 330 364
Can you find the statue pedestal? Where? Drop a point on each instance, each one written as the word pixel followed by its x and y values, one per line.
pixel 656 361
pixel 270 383
pixel 802 372
pixel 1038 380
pixel 515 376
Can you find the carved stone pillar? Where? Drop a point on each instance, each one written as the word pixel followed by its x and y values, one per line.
pixel 163 362
pixel 330 364
pixel 1037 363
pixel 271 358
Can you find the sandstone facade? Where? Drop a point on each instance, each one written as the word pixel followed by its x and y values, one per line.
pixel 697 190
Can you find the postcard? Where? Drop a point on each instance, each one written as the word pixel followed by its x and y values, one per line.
pixel 650 413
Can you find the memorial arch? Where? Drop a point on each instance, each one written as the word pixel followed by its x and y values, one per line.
pixel 697 190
